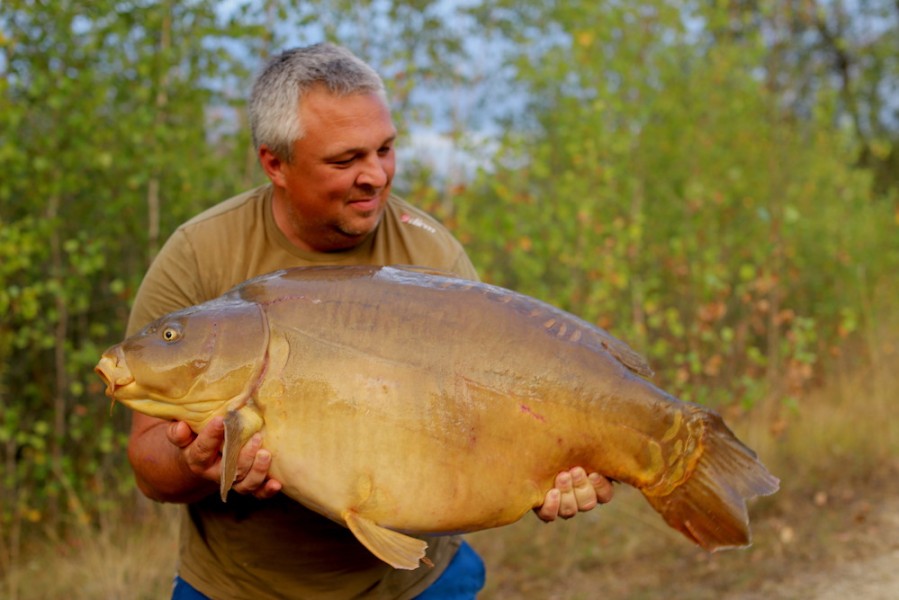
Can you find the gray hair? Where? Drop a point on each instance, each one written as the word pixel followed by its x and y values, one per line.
pixel 287 77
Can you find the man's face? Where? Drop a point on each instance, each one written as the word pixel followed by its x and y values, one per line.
pixel 334 191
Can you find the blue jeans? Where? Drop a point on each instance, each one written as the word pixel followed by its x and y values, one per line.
pixel 462 580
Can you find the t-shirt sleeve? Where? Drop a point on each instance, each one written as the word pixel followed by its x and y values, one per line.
pixel 171 283
pixel 464 268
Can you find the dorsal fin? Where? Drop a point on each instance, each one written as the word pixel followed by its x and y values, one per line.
pixel 629 357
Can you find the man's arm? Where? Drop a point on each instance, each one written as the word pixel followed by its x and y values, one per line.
pixel 172 464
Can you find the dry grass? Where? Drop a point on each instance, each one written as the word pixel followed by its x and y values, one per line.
pixel 836 456
pixel 127 560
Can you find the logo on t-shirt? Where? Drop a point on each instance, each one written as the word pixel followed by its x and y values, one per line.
pixel 418 222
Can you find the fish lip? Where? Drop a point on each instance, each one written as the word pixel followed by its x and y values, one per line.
pixel 114 372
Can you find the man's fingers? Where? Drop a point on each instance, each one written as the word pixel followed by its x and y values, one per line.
pixel 268 490
pixel 602 487
pixel 179 434
pixel 568 505
pixel 584 494
pixel 550 508
pixel 252 465
pixel 253 474
pixel 247 457
pixel 204 451
pixel 574 491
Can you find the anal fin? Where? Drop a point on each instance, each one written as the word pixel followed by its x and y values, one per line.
pixel 398 550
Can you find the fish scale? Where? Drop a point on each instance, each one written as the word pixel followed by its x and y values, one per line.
pixel 402 402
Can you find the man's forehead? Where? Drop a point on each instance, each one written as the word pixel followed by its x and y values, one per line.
pixel 347 121
pixel 320 100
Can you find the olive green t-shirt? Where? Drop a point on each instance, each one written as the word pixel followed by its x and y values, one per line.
pixel 276 548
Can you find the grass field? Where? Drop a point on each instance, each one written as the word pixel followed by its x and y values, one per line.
pixel 837 456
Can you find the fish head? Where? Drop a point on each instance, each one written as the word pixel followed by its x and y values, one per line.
pixel 190 365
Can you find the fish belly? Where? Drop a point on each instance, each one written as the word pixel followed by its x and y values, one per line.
pixel 432 405
pixel 442 449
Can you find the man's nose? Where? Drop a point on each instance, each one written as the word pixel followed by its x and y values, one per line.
pixel 375 172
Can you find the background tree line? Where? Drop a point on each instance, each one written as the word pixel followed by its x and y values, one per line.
pixel 715 181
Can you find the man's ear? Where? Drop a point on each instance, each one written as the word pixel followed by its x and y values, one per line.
pixel 272 165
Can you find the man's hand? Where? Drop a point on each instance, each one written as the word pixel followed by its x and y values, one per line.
pixel 574 492
pixel 201 454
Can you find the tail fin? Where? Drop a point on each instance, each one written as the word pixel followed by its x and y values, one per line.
pixel 709 507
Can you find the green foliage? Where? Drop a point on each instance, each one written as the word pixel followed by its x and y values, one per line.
pixel 666 193
pixel 106 131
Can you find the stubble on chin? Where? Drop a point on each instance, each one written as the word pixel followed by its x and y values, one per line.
pixel 353 228
pixel 338 233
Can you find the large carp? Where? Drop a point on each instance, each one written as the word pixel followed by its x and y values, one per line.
pixel 398 401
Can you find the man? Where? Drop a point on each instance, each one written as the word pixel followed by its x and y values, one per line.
pixel 325 139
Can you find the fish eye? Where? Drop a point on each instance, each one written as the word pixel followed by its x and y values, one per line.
pixel 171 334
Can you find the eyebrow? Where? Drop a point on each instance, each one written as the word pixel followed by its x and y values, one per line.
pixel 359 149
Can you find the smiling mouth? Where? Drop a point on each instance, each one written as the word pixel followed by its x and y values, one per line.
pixel 366 204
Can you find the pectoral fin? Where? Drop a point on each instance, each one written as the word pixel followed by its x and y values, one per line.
pixel 398 550
pixel 240 425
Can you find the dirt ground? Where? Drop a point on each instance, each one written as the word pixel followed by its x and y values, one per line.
pixel 825 545
pixel 866 567
pixel 875 578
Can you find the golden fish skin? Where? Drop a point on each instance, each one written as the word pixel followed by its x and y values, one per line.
pixel 388 396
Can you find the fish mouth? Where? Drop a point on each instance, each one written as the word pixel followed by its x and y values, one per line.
pixel 114 372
